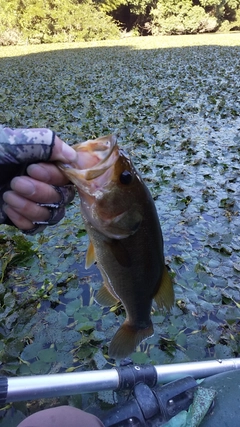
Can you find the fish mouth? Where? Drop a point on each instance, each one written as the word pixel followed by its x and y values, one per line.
pixel 104 151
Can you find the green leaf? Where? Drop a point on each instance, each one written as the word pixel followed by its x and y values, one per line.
pixel 9 300
pixel 31 351
pixel 47 355
pixel 99 360
pixel 139 358
pixel 72 307
pixel 40 367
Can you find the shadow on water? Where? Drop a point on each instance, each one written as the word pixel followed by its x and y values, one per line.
pixel 125 45
pixel 93 57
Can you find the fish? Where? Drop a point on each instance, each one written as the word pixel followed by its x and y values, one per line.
pixel 125 237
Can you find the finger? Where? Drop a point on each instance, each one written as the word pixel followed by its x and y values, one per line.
pixel 26 208
pixel 47 172
pixel 18 220
pixel 62 151
pixel 33 190
pixel 67 154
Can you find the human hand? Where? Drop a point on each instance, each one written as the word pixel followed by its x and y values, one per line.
pixel 45 184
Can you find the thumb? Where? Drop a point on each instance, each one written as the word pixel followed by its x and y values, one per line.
pixel 62 152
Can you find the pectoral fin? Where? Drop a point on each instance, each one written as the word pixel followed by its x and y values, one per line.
pixel 165 294
pixel 90 256
pixel 129 221
pixel 124 224
pixel 105 297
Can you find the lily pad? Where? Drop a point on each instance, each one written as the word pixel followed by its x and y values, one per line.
pixel 185 144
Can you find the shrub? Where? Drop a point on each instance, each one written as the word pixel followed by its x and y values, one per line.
pixel 46 21
pixel 186 20
pixel 10 37
pixel 93 24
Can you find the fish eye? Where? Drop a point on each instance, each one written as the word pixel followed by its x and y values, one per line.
pixel 126 177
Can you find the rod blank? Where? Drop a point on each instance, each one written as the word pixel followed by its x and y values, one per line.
pixel 198 370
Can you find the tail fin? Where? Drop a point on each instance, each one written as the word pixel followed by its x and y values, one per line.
pixel 127 338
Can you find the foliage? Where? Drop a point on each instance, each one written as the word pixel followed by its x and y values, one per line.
pixel 173 16
pixel 110 5
pixel 10 37
pixel 45 21
pixel 173 101
pixel 8 18
pixel 185 19
pixel 53 21
pixel 136 7
pixel 227 26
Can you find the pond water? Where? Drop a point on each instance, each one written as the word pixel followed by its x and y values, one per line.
pixel 176 111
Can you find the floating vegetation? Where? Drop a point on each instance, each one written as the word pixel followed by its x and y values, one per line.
pixel 176 110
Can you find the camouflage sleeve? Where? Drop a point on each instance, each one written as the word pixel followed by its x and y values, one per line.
pixel 18 146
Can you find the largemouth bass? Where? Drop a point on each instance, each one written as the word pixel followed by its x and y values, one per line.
pixel 125 238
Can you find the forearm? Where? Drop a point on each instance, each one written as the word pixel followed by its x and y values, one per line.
pixel 17 145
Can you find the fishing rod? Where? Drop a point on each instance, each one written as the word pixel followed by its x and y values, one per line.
pixel 14 389
pixel 148 401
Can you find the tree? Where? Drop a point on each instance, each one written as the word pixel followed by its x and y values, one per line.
pixel 8 14
pixel 129 13
pixel 180 17
pixel 191 16
pixel 45 21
